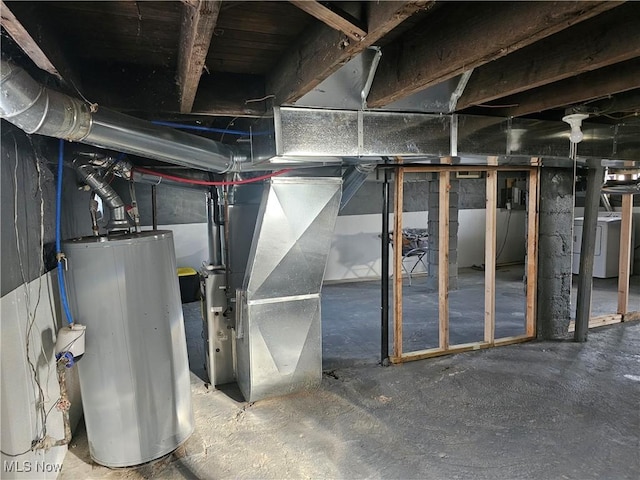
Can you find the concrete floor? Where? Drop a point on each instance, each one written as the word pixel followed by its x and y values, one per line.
pixel 535 410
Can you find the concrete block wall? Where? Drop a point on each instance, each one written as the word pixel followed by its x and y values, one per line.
pixel 555 243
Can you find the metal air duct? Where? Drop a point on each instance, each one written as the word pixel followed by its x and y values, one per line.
pixel 118 220
pixel 37 109
pixel 352 180
pixel 279 342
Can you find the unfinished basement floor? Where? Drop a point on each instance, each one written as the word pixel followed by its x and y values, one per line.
pixel 533 410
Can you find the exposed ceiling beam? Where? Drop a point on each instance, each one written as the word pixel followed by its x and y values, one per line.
pixel 323 50
pixel 466 36
pixel 620 77
pixel 125 88
pixel 198 23
pixel 191 3
pixel 24 21
pixel 621 103
pixel 26 41
pixel 233 95
pixel 609 38
pixel 332 18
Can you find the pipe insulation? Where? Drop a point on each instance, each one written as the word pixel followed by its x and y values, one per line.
pixel 37 109
pixel 106 192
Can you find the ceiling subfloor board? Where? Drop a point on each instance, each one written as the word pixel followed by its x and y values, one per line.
pixel 323 50
pixel 198 23
pixel 601 83
pixel 331 18
pixel 468 36
pixel 607 39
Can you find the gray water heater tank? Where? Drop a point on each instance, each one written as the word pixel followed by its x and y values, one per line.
pixel 134 375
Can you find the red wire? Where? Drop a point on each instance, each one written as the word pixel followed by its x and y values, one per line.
pixel 207 182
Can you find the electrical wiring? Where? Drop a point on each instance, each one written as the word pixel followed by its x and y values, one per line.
pixel 31 309
pixel 175 178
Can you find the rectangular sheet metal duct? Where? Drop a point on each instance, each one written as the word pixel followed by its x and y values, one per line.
pixel 279 341
pixel 303 135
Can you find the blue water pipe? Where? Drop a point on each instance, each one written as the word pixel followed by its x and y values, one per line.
pixel 61 284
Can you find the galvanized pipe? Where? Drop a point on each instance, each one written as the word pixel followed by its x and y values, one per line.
pixel 154 207
pixel 213 224
pixel 36 109
pixel 118 221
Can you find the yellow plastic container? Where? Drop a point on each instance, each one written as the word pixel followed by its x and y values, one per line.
pixel 189 284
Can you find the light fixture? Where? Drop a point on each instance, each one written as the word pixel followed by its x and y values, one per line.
pixel 575 121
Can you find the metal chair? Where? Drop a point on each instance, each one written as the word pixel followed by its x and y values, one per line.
pixel 414 242
pixel 418 253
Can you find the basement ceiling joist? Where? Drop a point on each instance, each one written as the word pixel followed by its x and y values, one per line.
pixel 38 40
pixel 321 51
pixel 468 35
pixel 239 58
pixel 335 19
pixel 588 46
pixel 583 88
pixel 198 23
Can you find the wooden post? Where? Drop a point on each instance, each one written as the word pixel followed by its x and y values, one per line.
pixel 443 259
pixel 625 254
pixel 532 252
pixel 397 263
pixel 595 177
pixel 490 257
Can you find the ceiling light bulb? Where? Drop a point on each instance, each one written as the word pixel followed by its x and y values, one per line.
pixel 575 121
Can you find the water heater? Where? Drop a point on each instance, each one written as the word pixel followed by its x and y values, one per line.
pixel 134 375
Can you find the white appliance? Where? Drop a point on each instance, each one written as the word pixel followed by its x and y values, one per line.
pixel 607 250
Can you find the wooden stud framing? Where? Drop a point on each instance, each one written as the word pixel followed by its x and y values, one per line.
pixel 444 172
pixel 532 252
pixel 443 259
pixel 631 317
pixel 461 348
pixel 397 262
pixel 599 321
pixel 490 257
pixel 625 254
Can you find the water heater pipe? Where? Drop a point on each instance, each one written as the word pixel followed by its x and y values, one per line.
pixel 89 175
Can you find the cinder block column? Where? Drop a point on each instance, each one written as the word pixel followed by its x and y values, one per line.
pixel 433 225
pixel 554 253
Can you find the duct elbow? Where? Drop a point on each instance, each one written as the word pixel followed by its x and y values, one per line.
pixel 89 175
